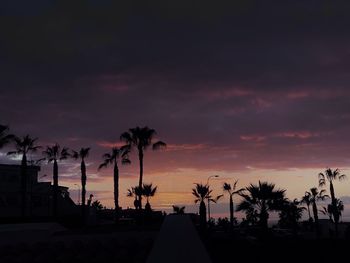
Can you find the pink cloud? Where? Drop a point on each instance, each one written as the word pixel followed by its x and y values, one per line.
pixel 297 94
pixel 297 134
pixel 252 138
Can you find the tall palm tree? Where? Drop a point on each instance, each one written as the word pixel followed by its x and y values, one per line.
pixel 141 139
pixel 315 196
pixel 231 190
pixel 82 155
pixel 201 193
pixel 54 154
pixel 5 137
pixel 134 192
pixel 148 191
pixel 306 199
pixel 261 199
pixel 331 176
pixel 24 146
pixel 112 159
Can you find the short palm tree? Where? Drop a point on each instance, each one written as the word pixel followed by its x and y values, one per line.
pixel 260 200
pixel 231 190
pixel 5 136
pixel 315 196
pixel 331 176
pixel 54 154
pixel 112 159
pixel 24 146
pixel 290 214
pixel 82 155
pixel 329 210
pixel 141 139
pixel 201 193
pixel 134 192
pixel 179 210
pixel 148 191
pixel 306 199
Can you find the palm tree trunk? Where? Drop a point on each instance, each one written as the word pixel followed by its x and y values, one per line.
pixel 55 188
pixel 83 190
pixel 314 208
pixel 202 215
pixel 24 186
pixel 334 208
pixel 116 190
pixel 308 210
pixel 141 176
pixel 231 212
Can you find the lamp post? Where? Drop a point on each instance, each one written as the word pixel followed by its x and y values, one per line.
pixel 78 193
pixel 216 176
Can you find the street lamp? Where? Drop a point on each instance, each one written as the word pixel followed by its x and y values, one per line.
pixel 216 176
pixel 78 193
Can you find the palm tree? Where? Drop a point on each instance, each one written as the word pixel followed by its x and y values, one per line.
pixel 201 193
pixel 231 190
pixel 331 176
pixel 5 137
pixel 329 210
pixel 112 159
pixel 54 154
pixel 141 138
pixel 316 195
pixel 290 214
pixel 179 210
pixel 135 192
pixel 82 155
pixel 24 146
pixel 306 199
pixel 260 200
pixel 148 191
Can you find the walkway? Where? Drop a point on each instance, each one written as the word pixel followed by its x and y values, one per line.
pixel 178 241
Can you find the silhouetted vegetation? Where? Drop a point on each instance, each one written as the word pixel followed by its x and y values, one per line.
pixel 231 190
pixel 82 155
pixel 24 146
pixel 54 154
pixel 148 191
pixel 112 159
pixel 179 210
pixel 141 139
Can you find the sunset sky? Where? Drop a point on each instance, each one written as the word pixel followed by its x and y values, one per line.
pixel 245 90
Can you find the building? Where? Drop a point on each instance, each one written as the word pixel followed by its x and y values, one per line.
pixel 38 194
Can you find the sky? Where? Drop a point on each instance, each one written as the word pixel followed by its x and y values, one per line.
pixel 242 89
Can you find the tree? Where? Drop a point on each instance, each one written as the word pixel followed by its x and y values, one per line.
pixel 290 214
pixel 329 210
pixel 306 199
pixel 231 190
pixel 315 195
pixel 179 210
pixel 24 146
pixel 97 205
pixel 54 154
pixel 112 159
pixel 201 193
pixel 141 139
pixel 260 200
pixel 148 191
pixel 5 137
pixel 82 155
pixel 331 176
pixel 135 192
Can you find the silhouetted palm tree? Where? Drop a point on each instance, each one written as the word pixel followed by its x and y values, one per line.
pixel 112 159
pixel 290 214
pixel 135 192
pixel 331 176
pixel 306 200
pixel 82 155
pixel 148 191
pixel 202 193
pixel 24 146
pixel 261 199
pixel 54 154
pixel 179 210
pixel 329 210
pixel 315 195
pixel 141 139
pixel 231 190
pixel 5 137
